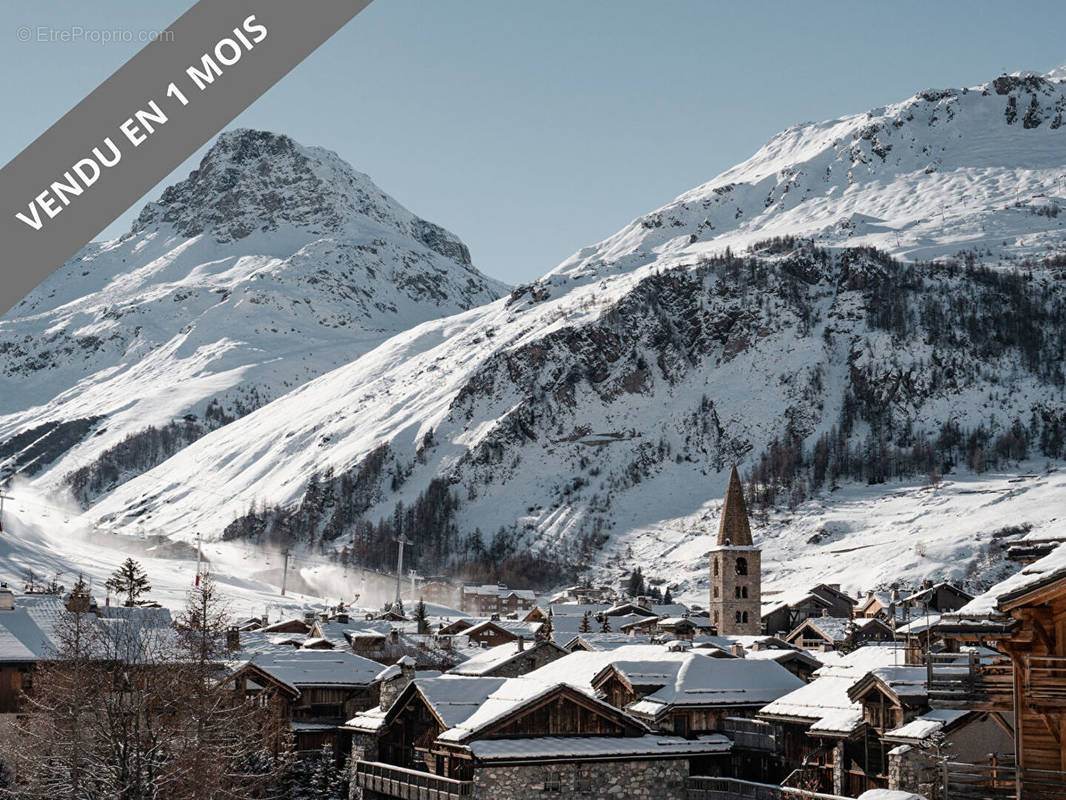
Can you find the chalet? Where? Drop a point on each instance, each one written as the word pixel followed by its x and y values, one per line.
pixel 877 604
pixel 491 632
pixel 439 592
pixel 830 633
pixel 604 641
pixel 783 611
pixel 316 691
pixel 816 721
pixel 27 636
pixel 511 659
pixel 489 599
pixel 798 662
pixel 691 694
pixel 506 738
pixel 294 625
pixel 1023 620
pixel 935 598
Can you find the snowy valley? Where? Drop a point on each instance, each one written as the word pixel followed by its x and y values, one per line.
pixel 868 316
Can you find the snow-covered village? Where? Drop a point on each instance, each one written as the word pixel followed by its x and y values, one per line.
pixel 304 496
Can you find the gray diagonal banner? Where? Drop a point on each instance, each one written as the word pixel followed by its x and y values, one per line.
pixel 154 112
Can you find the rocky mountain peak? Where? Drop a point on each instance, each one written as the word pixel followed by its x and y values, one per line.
pixel 253 180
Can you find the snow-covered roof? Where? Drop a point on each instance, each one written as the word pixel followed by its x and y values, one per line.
pixel 920 625
pixel 829 690
pixel 835 629
pixel 701 681
pixel 1050 567
pixel 579 668
pixel 838 721
pixel 588 747
pixel 27 632
pixel 454 698
pixel 924 726
pixel 514 626
pixel 494 657
pixel 904 681
pixel 510 696
pixel 309 668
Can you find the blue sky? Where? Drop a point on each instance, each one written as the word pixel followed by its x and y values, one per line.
pixel 533 129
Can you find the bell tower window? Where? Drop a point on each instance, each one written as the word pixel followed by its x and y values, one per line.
pixel 742 566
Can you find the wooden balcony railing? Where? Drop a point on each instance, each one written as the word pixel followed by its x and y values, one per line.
pixel 1045 680
pixel 1000 782
pixel 751 734
pixel 706 788
pixel 408 784
pixel 967 680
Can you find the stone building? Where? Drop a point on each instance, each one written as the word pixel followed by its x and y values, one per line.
pixel 736 569
pixel 510 738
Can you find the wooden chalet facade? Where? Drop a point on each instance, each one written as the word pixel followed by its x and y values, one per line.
pixel 822 600
pixel 830 633
pixel 1023 678
pixel 313 692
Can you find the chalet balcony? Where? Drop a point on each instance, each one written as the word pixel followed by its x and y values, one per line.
pixel 706 788
pixel 1001 782
pixel 751 734
pixel 967 681
pixel 962 680
pixel 1045 681
pixel 408 784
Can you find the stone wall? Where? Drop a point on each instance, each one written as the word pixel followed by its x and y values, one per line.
pixel 662 779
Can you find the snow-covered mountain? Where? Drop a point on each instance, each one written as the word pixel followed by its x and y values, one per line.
pixel 271 264
pixel 589 417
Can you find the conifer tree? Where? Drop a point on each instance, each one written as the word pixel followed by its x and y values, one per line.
pixel 130 580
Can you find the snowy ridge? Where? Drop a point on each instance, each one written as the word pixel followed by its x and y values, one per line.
pixel 943 172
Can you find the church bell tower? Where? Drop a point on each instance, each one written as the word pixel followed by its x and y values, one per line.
pixel 736 569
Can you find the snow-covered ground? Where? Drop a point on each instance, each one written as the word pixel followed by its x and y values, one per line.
pixel 47 537
pixel 870 537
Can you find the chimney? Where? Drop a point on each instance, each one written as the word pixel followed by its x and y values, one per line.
pixel 7 598
pixel 521 643
pixel 737 650
pixel 233 638
pixel 396 681
pixel 394 636
pixel 342 618
pixel 927 584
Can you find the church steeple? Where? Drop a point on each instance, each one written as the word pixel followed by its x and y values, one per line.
pixel 736 569
pixel 734 528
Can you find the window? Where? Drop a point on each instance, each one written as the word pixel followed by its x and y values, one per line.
pixel 716 591
pixel 744 592
pixel 744 617
pixel 716 568
pixel 680 725
pixel 738 616
pixel 736 592
pixel 742 566
pixel 583 783
pixel 715 617
pixel 553 782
